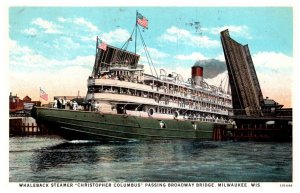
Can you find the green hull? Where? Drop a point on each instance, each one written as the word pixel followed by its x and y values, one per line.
pixel 97 126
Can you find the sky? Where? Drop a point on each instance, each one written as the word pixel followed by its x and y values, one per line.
pixel 53 48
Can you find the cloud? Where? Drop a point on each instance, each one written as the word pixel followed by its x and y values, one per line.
pixel 66 81
pixel 30 31
pixel 116 36
pixel 174 34
pixel 80 21
pixel 48 26
pixel 15 48
pixel 241 31
pixel 154 53
pixel 65 42
pixel 277 86
pixel 193 56
pixel 272 60
pixel 61 19
pixel 143 60
pixel 274 71
pixel 91 38
pixel 221 57
pixel 156 56
pixel 26 57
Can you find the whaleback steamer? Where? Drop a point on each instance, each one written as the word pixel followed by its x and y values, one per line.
pixel 123 102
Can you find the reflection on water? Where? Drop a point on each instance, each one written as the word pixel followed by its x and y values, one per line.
pixel 62 154
pixel 38 159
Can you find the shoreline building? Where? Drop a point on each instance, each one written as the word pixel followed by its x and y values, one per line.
pixel 16 104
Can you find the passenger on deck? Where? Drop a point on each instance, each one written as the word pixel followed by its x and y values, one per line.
pixel 63 103
pixel 97 107
pixel 93 105
pixel 55 103
pixel 59 103
pixel 162 124
pixel 74 105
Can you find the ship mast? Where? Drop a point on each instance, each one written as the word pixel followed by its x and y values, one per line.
pixel 135 32
pixel 142 21
pixel 96 59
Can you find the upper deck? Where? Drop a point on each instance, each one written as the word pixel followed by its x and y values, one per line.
pixel 160 88
pixel 117 78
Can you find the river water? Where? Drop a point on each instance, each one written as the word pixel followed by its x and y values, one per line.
pixel 51 159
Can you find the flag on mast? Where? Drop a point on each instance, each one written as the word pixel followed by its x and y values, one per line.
pixel 103 45
pixel 141 20
pixel 43 94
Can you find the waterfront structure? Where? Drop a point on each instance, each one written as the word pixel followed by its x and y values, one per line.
pixel 245 88
pixel 16 105
pixel 254 116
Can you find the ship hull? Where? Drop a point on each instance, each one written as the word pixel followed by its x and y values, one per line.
pixel 86 125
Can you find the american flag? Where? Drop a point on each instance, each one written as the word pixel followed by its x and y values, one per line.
pixel 43 95
pixel 102 46
pixel 142 21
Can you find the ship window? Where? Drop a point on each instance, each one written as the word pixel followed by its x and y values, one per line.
pixel 151 111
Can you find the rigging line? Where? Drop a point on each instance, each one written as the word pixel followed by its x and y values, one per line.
pixel 149 64
pixel 145 47
pixel 221 84
pixel 147 56
pixel 136 26
pixel 125 45
pixel 225 82
pixel 228 85
pixel 129 39
pixel 149 61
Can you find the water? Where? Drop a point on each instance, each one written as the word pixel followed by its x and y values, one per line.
pixel 50 159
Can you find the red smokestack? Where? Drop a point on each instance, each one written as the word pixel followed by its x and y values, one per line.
pixel 197 74
pixel 197 71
